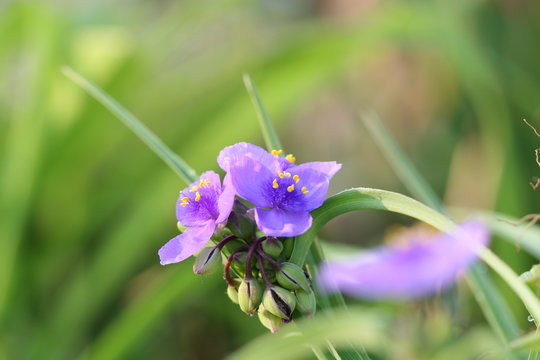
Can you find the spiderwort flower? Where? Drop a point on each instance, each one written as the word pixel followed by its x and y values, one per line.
pixel 202 207
pixel 283 193
pixel 418 266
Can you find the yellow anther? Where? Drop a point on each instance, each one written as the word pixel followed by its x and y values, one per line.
pixel 290 158
pixel 275 184
pixel 204 182
pixel 185 199
pixel 290 188
pixel 197 196
pixel 304 190
pixel 184 204
pixel 194 188
pixel 287 174
pixel 276 152
pixel 280 174
pixel 296 178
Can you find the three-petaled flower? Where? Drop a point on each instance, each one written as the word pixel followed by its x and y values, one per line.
pixel 283 193
pixel 417 265
pixel 202 207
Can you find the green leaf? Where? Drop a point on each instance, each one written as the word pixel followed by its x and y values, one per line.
pixel 171 287
pixel 375 199
pixel 270 136
pixel 487 295
pixel 527 342
pixel 295 340
pixel 186 173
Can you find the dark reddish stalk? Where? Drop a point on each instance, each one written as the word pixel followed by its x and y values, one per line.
pixel 267 282
pixel 227 268
pixel 225 240
pixel 273 263
pixel 249 257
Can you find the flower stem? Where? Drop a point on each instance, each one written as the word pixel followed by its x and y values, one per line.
pixel 273 263
pixel 227 268
pixel 225 240
pixel 249 257
pixel 266 281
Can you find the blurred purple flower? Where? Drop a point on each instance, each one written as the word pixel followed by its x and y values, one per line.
pixel 418 265
pixel 202 207
pixel 283 193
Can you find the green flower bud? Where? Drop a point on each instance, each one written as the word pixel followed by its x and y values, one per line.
pixel 249 295
pixel 240 223
pixel 306 302
pixel 232 293
pixel 279 302
pixel 292 277
pixel 207 261
pixel 288 246
pixel 269 320
pixel 272 247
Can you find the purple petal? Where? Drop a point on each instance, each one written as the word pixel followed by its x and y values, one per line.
pixel 253 181
pixel 329 168
pixel 198 213
pixel 226 200
pixel 231 154
pixel 315 178
pixel 278 222
pixel 186 244
pixel 422 267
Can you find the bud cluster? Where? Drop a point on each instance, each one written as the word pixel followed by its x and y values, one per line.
pixel 259 277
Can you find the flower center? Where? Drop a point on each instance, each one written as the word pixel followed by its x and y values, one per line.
pixel 288 181
pixel 186 199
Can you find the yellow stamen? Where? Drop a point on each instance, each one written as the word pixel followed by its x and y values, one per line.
pixel 296 178
pixel 185 199
pixel 290 158
pixel 204 182
pixel 276 152
pixel 184 204
pixel 290 188
pixel 304 190
pixel 280 174
pixel 197 196
pixel 287 174
pixel 194 188
pixel 275 184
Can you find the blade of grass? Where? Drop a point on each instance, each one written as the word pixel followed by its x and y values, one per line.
pixel 294 342
pixel 376 199
pixel 270 136
pixel 186 173
pixel 272 142
pixel 491 301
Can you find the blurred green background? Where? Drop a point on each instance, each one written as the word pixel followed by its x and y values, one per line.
pixel 85 205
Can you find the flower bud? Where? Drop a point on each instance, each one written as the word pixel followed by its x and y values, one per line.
pixel 249 295
pixel 288 246
pixel 232 293
pixel 207 261
pixel 292 277
pixel 269 320
pixel 279 302
pixel 272 246
pixel 240 223
pixel 306 302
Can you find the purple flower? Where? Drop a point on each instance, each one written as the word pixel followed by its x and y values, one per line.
pixel 418 265
pixel 202 207
pixel 282 192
